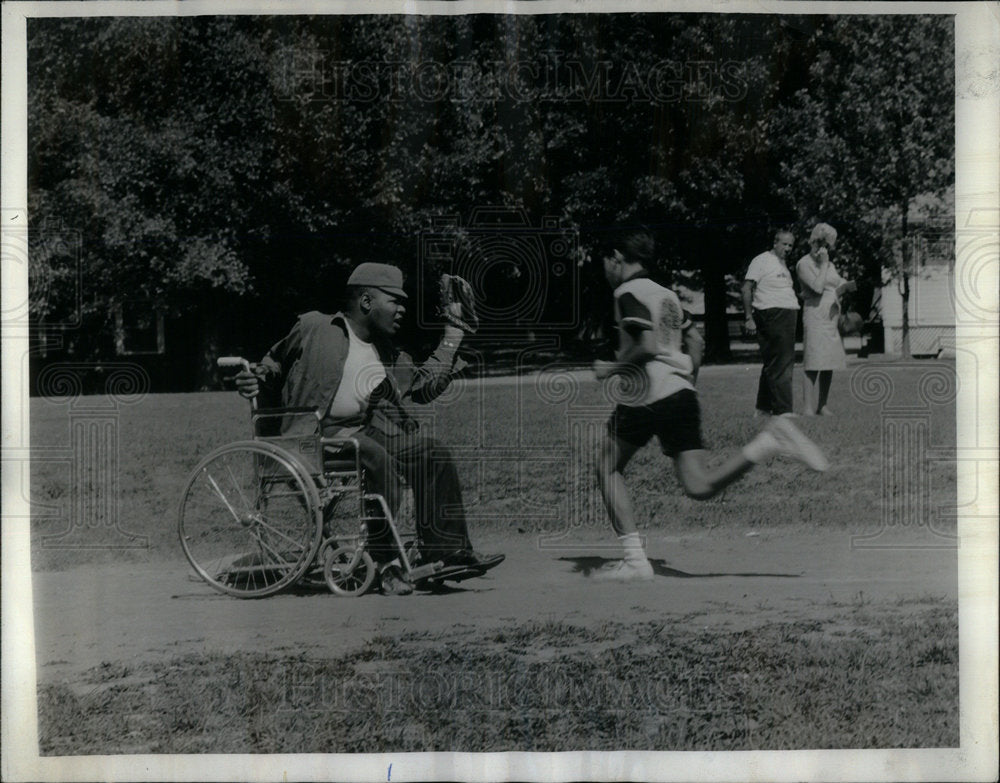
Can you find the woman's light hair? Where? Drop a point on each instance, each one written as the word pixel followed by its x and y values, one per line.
pixel 825 234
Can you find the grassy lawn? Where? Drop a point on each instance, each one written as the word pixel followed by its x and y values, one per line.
pixel 876 675
pixel 892 683
pixel 523 453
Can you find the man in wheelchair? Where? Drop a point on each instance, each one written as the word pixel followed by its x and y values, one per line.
pixel 346 366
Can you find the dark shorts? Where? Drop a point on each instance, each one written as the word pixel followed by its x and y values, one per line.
pixel 675 420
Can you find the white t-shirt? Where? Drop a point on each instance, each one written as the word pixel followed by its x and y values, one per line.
pixel 363 372
pixel 642 304
pixel 774 283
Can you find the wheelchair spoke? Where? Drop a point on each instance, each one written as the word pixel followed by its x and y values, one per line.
pixel 239 489
pixel 277 532
pixel 248 520
pixel 222 495
pixel 277 558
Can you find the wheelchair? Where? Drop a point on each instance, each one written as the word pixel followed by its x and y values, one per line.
pixel 259 516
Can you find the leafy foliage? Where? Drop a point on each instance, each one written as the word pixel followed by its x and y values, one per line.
pixel 221 165
pixel 877 121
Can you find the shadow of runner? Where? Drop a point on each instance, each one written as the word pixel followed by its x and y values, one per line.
pixel 588 564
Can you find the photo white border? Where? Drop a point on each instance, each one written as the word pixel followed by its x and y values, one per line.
pixel 977 194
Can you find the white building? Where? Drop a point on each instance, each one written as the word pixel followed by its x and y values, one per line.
pixel 931 304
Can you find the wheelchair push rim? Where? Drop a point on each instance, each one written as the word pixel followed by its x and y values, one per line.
pixel 250 521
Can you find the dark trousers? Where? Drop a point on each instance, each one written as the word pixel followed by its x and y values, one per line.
pixel 428 468
pixel 776 336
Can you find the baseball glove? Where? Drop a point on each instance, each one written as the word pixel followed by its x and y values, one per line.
pixel 456 291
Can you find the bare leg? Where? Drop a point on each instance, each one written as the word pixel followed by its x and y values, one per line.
pixel 611 457
pixel 825 379
pixel 610 460
pixel 701 483
pixel 779 437
pixel 811 392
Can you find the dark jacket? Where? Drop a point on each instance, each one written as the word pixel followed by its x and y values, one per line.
pixel 304 370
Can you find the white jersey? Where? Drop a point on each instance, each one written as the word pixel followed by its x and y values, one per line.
pixel 642 305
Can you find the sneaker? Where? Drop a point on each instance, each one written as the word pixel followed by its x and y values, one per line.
pixel 788 415
pixel 825 411
pixel 393 582
pixel 792 443
pixel 761 414
pixel 625 571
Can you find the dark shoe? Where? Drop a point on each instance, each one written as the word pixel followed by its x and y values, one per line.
pixel 473 560
pixel 393 582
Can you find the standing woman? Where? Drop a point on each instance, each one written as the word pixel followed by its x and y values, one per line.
pixel 823 348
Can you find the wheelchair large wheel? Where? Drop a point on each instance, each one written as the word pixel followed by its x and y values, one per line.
pixel 250 520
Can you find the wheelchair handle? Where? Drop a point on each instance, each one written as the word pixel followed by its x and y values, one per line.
pixel 227 362
pixel 236 363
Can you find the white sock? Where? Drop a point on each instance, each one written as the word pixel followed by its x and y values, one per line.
pixel 761 448
pixel 632 544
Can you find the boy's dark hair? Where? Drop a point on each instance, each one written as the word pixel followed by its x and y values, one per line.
pixel 639 247
pixel 636 244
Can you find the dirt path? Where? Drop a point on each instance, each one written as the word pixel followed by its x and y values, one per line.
pixel 131 613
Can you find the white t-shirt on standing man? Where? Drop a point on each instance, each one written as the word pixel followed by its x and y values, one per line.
pixel 774 283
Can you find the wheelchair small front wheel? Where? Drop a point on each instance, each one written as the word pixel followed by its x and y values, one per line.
pixel 348 571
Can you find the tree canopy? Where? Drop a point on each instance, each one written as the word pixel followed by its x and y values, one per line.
pixel 233 169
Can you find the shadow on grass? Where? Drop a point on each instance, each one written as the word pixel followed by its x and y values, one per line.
pixel 588 564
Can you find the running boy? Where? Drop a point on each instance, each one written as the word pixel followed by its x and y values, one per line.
pixel 659 353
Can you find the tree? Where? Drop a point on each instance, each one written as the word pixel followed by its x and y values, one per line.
pixel 872 132
pixel 152 178
pixel 232 169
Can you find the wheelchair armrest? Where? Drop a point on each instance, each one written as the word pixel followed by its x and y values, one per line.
pixel 339 446
pixel 286 411
pixel 280 413
pixel 267 421
pixel 340 455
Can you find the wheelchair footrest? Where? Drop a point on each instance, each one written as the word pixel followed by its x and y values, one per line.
pixel 427 570
pixel 455 573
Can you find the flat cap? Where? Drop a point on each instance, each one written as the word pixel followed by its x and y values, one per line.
pixel 384 276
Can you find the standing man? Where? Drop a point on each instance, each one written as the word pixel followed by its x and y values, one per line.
pixel 771 309
pixel 659 352
pixel 346 367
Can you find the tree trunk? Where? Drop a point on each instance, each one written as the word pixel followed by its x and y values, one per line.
pixel 716 322
pixel 905 290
